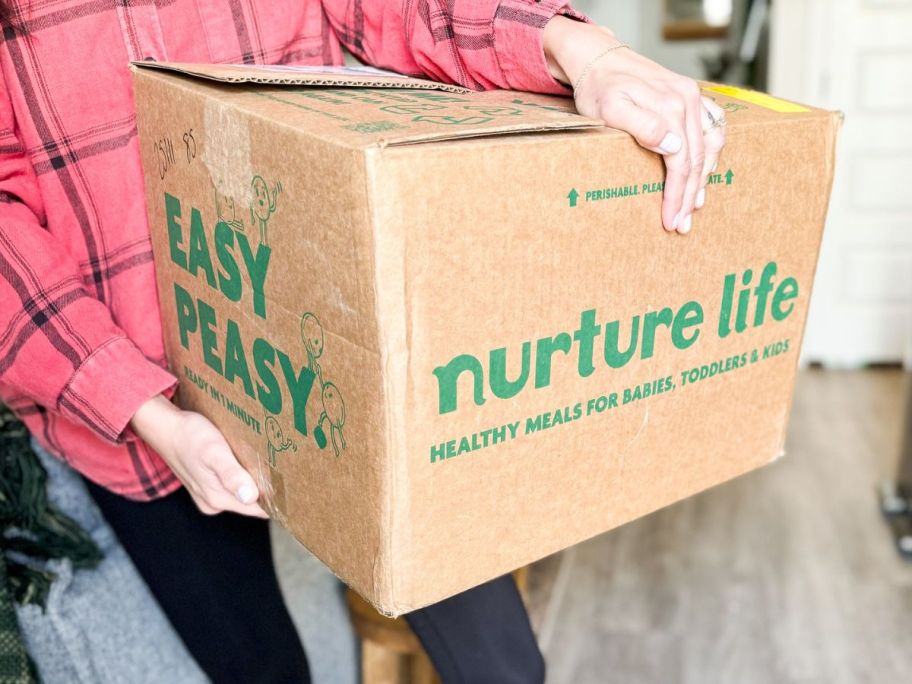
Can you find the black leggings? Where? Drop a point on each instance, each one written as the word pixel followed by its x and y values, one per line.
pixel 214 578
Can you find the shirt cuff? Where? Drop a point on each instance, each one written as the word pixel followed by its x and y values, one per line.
pixel 518 43
pixel 109 387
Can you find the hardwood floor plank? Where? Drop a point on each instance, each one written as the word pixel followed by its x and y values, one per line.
pixel 784 575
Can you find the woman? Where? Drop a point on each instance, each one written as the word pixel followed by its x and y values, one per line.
pixel 81 355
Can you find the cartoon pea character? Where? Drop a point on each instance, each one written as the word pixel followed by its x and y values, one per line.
pixel 312 336
pixel 334 414
pixel 276 440
pixel 263 204
pixel 226 209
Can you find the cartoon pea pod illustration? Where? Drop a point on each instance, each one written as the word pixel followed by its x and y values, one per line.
pixel 263 204
pixel 312 336
pixel 226 208
pixel 276 440
pixel 334 414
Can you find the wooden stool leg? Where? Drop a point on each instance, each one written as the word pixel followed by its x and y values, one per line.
pixel 390 652
pixel 380 665
pixel 423 671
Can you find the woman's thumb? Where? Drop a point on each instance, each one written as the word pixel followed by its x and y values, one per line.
pixel 236 480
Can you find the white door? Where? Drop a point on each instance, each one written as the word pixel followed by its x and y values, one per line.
pixel 856 56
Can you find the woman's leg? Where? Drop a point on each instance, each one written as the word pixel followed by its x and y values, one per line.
pixel 213 576
pixel 481 635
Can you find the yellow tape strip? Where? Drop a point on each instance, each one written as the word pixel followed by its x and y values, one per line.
pixel 757 98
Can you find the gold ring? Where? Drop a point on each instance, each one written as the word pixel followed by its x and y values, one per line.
pixel 714 122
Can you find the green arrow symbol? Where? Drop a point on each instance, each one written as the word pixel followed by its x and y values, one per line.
pixel 573 196
pixel 729 176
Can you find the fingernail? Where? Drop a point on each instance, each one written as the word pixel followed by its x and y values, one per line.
pixel 676 222
pixel 246 494
pixel 671 144
pixel 715 166
pixel 701 198
pixel 688 222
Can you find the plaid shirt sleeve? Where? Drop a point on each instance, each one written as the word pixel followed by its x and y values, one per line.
pixel 480 44
pixel 58 345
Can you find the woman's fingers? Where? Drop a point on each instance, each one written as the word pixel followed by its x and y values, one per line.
pixel 223 501
pixel 231 476
pixel 212 496
pixel 215 500
pixel 715 140
pixel 666 114
pixel 203 505
pixel 224 485
pixel 681 177
pixel 681 125
pixel 689 93
pixel 678 165
pixel 677 173
pixel 649 128
pixel 659 133
pixel 198 453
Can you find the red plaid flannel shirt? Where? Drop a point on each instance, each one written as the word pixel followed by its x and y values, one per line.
pixel 80 332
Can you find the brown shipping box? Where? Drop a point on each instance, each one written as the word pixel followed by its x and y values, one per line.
pixel 445 330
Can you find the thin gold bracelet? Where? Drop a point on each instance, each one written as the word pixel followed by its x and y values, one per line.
pixel 595 61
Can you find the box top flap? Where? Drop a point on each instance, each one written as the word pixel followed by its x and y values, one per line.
pixel 362 107
pixel 286 74
pixel 366 107
pixel 366 118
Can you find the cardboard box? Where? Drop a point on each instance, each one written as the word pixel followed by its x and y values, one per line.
pixel 411 310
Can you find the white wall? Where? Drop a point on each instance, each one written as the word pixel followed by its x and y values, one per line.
pixel 854 56
pixel 621 16
pixel 639 23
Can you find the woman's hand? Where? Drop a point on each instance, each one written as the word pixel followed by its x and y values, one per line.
pixel 663 111
pixel 200 457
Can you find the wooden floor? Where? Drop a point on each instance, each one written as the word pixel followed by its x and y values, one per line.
pixel 785 575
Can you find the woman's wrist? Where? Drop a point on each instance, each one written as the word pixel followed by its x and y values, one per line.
pixel 570 46
pixel 155 420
